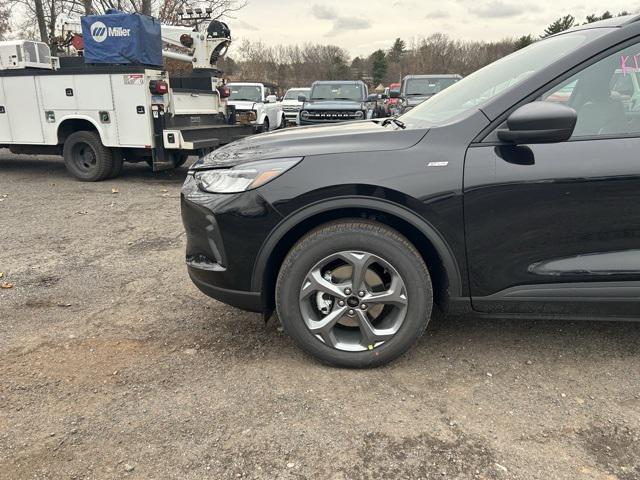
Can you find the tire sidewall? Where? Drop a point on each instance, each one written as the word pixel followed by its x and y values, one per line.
pixel 104 160
pixel 407 263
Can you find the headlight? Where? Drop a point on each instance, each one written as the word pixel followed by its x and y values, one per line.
pixel 243 177
pixel 304 115
pixel 359 115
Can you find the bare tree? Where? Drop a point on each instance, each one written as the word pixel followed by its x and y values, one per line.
pixel 5 22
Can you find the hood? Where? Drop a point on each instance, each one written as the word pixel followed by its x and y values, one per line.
pixel 242 105
pixel 291 103
pixel 347 137
pixel 333 105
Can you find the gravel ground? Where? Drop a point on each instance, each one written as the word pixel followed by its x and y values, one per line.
pixel 113 365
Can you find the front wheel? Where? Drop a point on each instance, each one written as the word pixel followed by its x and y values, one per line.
pixel 354 294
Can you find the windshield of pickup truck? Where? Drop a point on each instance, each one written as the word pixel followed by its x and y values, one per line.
pixel 477 89
pixel 337 91
pixel 294 94
pixel 427 86
pixel 249 93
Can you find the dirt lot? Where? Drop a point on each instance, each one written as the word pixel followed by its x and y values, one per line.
pixel 113 365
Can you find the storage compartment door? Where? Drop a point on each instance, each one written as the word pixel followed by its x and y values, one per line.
pixel 5 128
pixel 24 111
pixel 132 110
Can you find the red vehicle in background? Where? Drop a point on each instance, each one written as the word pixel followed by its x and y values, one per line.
pixel 391 104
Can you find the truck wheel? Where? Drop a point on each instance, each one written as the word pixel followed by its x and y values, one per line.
pixel 265 126
pixel 283 123
pixel 181 159
pixel 354 294
pixel 86 157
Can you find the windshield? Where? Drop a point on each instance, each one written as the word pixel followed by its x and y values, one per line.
pixel 427 86
pixel 294 94
pixel 337 91
pixel 250 93
pixel 475 90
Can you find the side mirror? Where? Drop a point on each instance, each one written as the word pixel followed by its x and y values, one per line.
pixel 302 98
pixel 394 94
pixel 539 122
pixel 271 99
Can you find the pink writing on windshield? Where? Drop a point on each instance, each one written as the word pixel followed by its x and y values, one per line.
pixel 629 64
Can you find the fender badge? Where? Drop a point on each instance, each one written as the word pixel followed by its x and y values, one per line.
pixel 438 164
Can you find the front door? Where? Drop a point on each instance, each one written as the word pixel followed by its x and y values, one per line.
pixel 556 228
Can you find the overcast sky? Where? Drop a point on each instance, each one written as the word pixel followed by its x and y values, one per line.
pixel 362 26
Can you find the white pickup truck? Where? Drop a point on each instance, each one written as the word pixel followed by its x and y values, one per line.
pixel 257 104
pixel 292 105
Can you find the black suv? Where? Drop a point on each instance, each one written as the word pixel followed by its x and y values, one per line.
pixel 336 101
pixel 513 193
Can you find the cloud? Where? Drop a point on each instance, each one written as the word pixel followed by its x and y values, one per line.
pixel 340 24
pixel 351 23
pixel 322 12
pixel 437 14
pixel 500 9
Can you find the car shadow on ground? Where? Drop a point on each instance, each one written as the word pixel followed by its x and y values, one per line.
pixel 487 340
pixel 54 168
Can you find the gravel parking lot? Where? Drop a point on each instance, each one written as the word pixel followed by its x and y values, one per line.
pixel 113 365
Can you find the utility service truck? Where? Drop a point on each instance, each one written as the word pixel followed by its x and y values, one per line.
pixel 116 102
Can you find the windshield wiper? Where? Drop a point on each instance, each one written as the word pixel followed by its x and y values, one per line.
pixel 399 123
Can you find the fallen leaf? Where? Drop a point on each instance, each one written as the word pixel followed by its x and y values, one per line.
pixel 115 190
pixel 1 274
pixel 6 285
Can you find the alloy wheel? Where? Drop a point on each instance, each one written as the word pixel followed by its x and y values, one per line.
pixel 353 301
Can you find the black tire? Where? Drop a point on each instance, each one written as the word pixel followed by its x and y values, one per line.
pixel 181 159
pixel 283 123
pixel 357 235
pixel 86 158
pixel 265 126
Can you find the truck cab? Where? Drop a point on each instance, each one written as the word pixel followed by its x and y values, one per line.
pixel 417 88
pixel 291 104
pixel 336 101
pixel 256 104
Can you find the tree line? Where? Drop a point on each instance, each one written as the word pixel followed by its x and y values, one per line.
pixel 299 65
pixel 293 65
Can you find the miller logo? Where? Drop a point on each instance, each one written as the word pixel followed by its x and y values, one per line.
pixel 100 32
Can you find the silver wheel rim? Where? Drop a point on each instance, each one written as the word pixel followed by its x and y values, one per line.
pixel 353 301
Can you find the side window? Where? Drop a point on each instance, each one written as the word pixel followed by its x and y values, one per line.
pixel 606 96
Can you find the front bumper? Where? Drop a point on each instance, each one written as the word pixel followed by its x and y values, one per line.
pixel 224 235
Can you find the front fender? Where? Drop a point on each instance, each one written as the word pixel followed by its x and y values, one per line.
pixel 349 202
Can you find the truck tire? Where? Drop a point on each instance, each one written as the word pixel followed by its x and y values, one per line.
pixel 87 158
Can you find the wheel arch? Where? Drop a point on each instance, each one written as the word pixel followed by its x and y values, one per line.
pixel 70 125
pixel 430 243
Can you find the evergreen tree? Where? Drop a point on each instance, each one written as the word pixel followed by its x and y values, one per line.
pixel 379 66
pixel 397 50
pixel 560 25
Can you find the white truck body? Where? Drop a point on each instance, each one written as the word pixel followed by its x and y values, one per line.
pixel 40 108
pixel 259 100
pixel 292 106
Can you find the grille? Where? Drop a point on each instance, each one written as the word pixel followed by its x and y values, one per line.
pixel 332 115
pixel 291 109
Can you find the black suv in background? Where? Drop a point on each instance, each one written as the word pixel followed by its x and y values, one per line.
pixel 513 193
pixel 416 89
pixel 336 101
